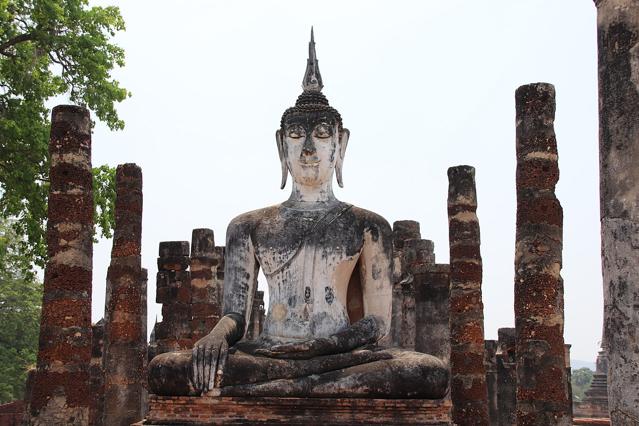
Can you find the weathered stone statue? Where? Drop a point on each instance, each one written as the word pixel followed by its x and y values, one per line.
pixel 328 267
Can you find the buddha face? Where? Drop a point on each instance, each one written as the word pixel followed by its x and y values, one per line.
pixel 312 146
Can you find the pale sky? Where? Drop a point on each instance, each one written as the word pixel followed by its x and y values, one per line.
pixel 422 86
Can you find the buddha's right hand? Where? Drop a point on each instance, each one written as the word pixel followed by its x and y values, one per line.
pixel 210 352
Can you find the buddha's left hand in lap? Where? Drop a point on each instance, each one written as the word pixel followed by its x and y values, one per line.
pixel 363 332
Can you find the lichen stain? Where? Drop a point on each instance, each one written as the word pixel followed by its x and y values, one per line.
pixel 278 312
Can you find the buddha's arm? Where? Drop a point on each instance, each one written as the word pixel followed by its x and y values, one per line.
pixel 375 275
pixel 240 279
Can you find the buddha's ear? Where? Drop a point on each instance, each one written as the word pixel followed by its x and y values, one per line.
pixel 343 143
pixel 279 139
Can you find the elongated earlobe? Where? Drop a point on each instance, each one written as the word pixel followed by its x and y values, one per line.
pixel 282 153
pixel 343 142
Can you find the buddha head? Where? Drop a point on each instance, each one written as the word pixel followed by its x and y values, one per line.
pixel 311 140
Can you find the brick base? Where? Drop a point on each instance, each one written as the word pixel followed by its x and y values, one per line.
pixel 12 413
pixel 202 411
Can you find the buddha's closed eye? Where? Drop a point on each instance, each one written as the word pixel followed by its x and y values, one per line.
pixel 323 131
pixel 296 132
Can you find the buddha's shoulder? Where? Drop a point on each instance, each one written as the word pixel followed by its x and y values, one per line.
pixel 371 220
pixel 251 219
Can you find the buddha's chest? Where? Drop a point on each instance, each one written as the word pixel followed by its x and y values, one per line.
pixel 306 241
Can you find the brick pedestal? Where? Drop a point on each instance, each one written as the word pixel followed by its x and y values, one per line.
pixel 296 411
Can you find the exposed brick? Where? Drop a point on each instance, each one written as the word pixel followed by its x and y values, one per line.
pixel 125 345
pixel 542 389
pixel 342 411
pixel 469 392
pixel 64 347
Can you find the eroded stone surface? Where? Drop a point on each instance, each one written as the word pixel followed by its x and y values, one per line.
pixel 618 42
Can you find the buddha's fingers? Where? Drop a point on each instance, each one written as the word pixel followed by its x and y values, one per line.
pixel 195 370
pixel 200 367
pixel 219 372
pixel 215 362
pixel 209 353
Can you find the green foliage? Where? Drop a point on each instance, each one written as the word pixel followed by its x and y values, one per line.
pixel 104 199
pixel 20 299
pixel 581 380
pixel 49 48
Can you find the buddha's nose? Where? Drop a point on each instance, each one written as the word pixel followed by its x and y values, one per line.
pixel 308 148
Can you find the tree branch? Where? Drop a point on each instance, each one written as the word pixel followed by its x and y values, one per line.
pixel 13 41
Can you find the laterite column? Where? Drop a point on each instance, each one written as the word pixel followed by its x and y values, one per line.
pixel 206 295
pixel 125 348
pixel 468 373
pixel 432 307
pixel 60 392
pixel 542 391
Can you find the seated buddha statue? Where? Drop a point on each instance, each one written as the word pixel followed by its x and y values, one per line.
pixel 328 268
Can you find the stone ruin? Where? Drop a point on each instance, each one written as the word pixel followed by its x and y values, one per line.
pixel 436 308
pixel 96 374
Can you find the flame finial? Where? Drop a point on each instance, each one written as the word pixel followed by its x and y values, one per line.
pixel 312 78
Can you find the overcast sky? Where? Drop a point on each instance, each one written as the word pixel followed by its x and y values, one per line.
pixel 421 85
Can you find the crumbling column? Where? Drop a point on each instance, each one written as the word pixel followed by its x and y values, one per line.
pixel 542 394
pixel 61 387
pixel 568 377
pixel 403 305
pixel 490 361
pixel 206 291
pixel 468 374
pixel 506 377
pixel 124 349
pixel 175 295
pixel 96 412
pixel 432 327
pixel 618 41
pixel 144 285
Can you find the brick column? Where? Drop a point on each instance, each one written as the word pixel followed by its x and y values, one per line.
pixel 568 377
pixel 144 285
pixel 432 327
pixel 618 41
pixel 96 412
pixel 61 387
pixel 468 374
pixel 174 293
pixel 403 301
pixel 490 361
pixel 124 350
pixel 206 293
pixel 506 377
pixel 542 394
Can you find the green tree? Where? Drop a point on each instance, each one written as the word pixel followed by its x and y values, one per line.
pixel 20 299
pixel 581 380
pixel 49 48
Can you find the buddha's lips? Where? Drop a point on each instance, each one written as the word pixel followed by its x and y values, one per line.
pixel 315 164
